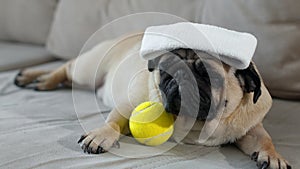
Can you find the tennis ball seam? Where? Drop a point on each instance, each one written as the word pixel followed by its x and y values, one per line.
pixel 147 140
pixel 137 112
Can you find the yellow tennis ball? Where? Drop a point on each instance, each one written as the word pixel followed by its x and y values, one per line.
pixel 150 124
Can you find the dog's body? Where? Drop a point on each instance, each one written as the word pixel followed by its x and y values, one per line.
pixel 126 81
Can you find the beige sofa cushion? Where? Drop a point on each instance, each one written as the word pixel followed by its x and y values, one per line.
pixel 77 20
pixel 276 25
pixel 26 20
pixel 19 55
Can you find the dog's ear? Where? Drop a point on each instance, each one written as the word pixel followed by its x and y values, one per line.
pixel 250 81
pixel 153 64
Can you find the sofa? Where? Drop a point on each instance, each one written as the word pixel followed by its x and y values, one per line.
pixel 41 129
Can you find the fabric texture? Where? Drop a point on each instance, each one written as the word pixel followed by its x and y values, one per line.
pixel 19 55
pixel 275 23
pixel 77 20
pixel 26 21
pixel 233 48
pixel 41 129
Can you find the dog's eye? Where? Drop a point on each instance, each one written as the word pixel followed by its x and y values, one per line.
pixel 199 67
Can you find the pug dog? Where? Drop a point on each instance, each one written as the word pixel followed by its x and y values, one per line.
pixel 226 104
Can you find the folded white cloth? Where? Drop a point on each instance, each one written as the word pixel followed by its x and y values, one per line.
pixel 233 48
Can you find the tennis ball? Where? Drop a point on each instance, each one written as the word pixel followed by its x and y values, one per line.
pixel 150 124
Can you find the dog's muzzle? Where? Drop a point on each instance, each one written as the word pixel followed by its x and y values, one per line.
pixel 185 88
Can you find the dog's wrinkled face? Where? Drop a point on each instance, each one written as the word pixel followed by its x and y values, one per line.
pixel 192 80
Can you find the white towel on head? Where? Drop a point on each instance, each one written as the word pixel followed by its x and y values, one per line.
pixel 233 48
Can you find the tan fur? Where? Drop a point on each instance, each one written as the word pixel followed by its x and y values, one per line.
pixel 240 121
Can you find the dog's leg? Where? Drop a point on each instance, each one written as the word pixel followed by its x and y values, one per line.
pixel 43 80
pixel 85 70
pixel 258 144
pixel 102 139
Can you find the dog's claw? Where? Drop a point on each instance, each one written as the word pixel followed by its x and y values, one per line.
pixel 20 73
pixel 81 139
pixel 254 156
pixel 16 82
pixel 89 150
pixel 100 150
pixel 83 148
pixel 264 165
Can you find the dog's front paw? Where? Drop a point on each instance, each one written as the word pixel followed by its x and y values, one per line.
pixel 99 140
pixel 270 159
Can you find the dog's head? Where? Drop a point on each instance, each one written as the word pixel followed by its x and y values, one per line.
pixel 194 80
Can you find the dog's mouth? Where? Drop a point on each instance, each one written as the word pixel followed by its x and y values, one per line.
pixel 170 93
pixel 186 102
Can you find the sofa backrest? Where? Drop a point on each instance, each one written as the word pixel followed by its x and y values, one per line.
pixel 26 20
pixel 76 20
